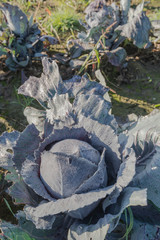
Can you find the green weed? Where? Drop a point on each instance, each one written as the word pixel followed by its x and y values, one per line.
pixel 64 20
pixel 22 100
pixel 77 5
pixel 129 222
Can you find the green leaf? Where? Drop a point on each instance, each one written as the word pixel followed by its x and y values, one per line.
pixel 39 234
pixel 157 105
pixel 6 202
pixel 97 56
pixel 131 219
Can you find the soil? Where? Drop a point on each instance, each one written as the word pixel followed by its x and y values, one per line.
pixel 138 85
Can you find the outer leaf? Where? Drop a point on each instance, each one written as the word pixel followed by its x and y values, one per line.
pixel 147 214
pixel 144 138
pixel 83 85
pixel 150 121
pixel 40 234
pixel 78 206
pixel 27 142
pixel 51 83
pixel 94 107
pixel 35 116
pixel 147 178
pixel 17 21
pixel 124 177
pixel 60 110
pixel 144 124
pixel 19 190
pixel 137 29
pixel 104 17
pixel 51 40
pixel 130 196
pixel 13 232
pixel 31 20
pixel 144 231
pixel 7 142
pixel 30 175
pixel 95 6
pixel 26 58
pixel 125 5
pixel 127 168
pixel 55 135
pixel 99 230
pixel 100 77
pixel 11 64
pixel 117 56
pixel 44 88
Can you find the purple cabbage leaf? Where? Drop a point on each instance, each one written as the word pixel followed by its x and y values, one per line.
pixel 141 230
pixel 83 231
pixel 88 97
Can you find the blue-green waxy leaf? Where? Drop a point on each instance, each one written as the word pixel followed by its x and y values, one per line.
pixel 11 64
pixel 39 234
pixel 10 231
pixel 16 20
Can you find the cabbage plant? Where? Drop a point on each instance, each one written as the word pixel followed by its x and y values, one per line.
pixel 67 166
pixel 143 137
pixel 108 26
pixel 20 39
